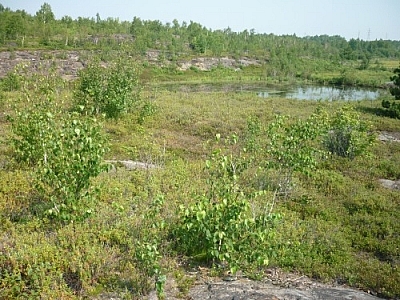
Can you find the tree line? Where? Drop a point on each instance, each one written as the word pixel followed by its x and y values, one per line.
pixel 19 29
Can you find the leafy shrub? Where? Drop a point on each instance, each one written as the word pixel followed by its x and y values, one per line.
pixel 220 226
pixel 35 114
pixel 348 135
pixel 110 90
pixel 147 248
pixel 64 150
pixel 11 82
pixel 30 127
pixel 148 109
pixel 291 147
pixel 253 132
pixel 74 156
pixel 393 107
pixel 395 91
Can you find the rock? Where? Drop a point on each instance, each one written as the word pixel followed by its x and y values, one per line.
pixel 208 63
pixel 251 290
pixel 386 136
pixel 69 62
pixel 289 286
pixel 390 184
pixel 130 164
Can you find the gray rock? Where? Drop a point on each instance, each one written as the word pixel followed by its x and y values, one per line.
pixel 386 136
pixel 250 290
pixel 130 164
pixel 390 184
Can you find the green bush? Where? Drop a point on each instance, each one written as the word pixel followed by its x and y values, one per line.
pixel 75 155
pixel 64 151
pixel 220 227
pixel 348 136
pixel 110 90
pixel 11 82
pixel 291 147
pixel 395 91
pixel 147 253
pixel 393 107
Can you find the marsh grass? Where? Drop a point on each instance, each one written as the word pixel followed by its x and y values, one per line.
pixel 338 225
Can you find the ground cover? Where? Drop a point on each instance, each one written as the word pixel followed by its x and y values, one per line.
pixel 337 224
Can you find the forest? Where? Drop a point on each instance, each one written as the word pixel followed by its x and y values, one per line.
pixel 325 59
pixel 21 30
pixel 118 179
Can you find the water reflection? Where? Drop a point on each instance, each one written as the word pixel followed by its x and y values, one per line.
pixel 309 92
pixel 324 93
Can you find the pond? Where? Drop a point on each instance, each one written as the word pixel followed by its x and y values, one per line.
pixel 329 93
pixel 307 92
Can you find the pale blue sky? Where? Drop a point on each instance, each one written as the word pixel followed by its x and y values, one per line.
pixel 366 19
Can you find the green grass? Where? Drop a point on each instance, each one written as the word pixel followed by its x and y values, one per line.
pixel 338 224
pixel 309 71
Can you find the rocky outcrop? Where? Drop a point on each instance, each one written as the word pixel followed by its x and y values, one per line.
pixel 276 286
pixel 68 63
pixel 208 63
pixel 247 289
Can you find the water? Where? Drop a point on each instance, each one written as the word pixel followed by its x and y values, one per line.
pixel 331 93
pixel 308 92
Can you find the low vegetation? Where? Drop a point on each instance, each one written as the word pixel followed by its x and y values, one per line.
pixel 238 186
pixel 231 181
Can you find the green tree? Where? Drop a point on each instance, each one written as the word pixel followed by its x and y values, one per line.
pixel 393 107
pixel 395 91
pixel 14 26
pixel 45 15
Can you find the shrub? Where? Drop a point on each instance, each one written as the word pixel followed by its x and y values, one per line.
pixel 11 82
pixel 110 90
pixel 220 226
pixel 147 254
pixel 75 155
pixel 291 147
pixel 393 107
pixel 348 135
pixel 395 91
pixel 64 151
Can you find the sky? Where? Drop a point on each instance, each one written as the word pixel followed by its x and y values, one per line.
pixel 364 19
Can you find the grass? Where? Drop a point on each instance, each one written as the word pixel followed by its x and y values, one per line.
pixel 338 224
pixel 308 71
